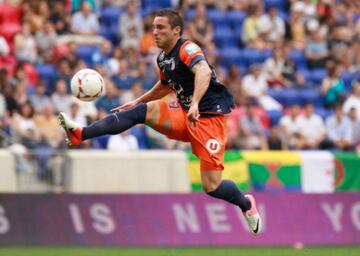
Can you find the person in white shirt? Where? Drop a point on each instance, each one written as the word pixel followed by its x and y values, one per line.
pixel 85 22
pixel 123 141
pixel 353 101
pixel 272 25
pixel 312 128
pixel 255 86
pixel 290 129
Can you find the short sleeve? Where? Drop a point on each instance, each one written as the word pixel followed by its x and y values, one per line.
pixel 190 54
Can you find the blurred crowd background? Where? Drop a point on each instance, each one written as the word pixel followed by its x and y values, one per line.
pixel 292 67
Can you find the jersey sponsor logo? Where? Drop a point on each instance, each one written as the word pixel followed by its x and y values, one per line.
pixel 213 146
pixel 173 105
pixel 191 48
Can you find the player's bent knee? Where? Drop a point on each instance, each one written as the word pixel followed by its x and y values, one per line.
pixel 210 186
pixel 153 112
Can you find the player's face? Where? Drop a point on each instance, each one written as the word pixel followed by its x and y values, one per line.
pixel 164 35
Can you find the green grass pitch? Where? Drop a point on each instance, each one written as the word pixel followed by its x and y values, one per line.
pixel 215 251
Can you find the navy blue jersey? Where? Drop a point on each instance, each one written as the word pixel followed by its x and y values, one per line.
pixel 175 71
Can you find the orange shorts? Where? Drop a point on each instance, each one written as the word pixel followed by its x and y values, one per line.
pixel 207 139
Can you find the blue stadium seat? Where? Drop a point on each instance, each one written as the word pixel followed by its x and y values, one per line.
pixel 109 34
pixel 316 76
pixel 45 71
pixel 232 56
pixel 190 14
pixel 290 97
pixel 311 95
pixel 252 56
pixel 85 53
pixel 225 38
pixel 299 58
pixel 235 18
pixel 323 112
pixel 279 4
pixel 348 78
pixel 110 15
pixel 274 116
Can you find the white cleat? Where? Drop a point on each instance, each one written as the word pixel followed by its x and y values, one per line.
pixel 252 216
pixel 72 130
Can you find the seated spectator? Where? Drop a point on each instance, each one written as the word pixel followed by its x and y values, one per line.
pixel 75 114
pixel 251 31
pixel 23 126
pixel 111 98
pixel 60 18
pixel 295 27
pixel 101 56
pixel 112 65
pixel 84 21
pixel 339 131
pixel 273 68
pixel 4 47
pixel 353 100
pixel 274 140
pixel 45 40
pixel 272 26
pixel 60 99
pixel 355 121
pixel 123 141
pixel 255 86
pixel 316 50
pixel 290 129
pixel 200 28
pixel 332 87
pixel 252 135
pixel 311 127
pixel 25 45
pixel 47 126
pixel 131 26
pixel 147 42
pixel 39 100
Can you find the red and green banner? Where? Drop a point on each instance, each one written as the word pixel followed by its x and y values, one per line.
pixel 347 172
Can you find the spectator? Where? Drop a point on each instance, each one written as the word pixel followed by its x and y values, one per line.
pixel 60 18
pixel 316 50
pixel 200 28
pixel 47 126
pixel 111 98
pixel 251 31
pixel 332 87
pixel 290 129
pixel 45 40
pixel 272 26
pixel 39 100
pixel 355 121
pixel 131 26
pixel 75 113
pixel 147 42
pixel 85 22
pixel 252 134
pixel 60 99
pixel 339 131
pixel 23 126
pixel 4 47
pixel 311 127
pixel 273 68
pixel 101 56
pixel 353 101
pixel 255 86
pixel 123 141
pixel 112 65
pixel 274 140
pixel 25 45
pixel 295 31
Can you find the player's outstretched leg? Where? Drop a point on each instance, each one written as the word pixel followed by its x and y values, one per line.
pixel 111 124
pixel 228 191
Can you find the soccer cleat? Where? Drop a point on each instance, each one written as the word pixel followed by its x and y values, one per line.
pixel 252 216
pixel 72 130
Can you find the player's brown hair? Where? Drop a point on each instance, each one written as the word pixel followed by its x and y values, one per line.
pixel 173 16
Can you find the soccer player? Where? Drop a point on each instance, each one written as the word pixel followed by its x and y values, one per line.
pixel 198 115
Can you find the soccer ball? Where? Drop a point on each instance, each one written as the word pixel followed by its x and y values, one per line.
pixel 87 85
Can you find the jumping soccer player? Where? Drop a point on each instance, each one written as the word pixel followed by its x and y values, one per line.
pixel 198 115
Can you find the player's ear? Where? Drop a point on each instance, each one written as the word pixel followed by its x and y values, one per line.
pixel 177 30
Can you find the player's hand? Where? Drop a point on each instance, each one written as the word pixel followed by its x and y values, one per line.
pixel 125 106
pixel 193 115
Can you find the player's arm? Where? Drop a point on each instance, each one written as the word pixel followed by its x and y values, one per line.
pixel 158 91
pixel 202 78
